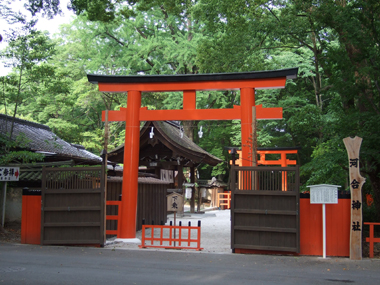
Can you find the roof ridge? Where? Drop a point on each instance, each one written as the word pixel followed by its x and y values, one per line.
pixel 25 122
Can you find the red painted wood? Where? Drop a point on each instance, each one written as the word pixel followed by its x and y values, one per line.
pixel 189 100
pixel 166 239
pixel 195 115
pixel 247 101
pixel 371 239
pixel 283 161
pixel 134 114
pixel 128 207
pixel 337 228
pixel 31 219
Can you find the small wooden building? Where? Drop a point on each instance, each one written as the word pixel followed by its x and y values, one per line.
pixel 211 189
pixel 165 150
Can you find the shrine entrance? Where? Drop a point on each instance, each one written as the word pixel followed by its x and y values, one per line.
pixel 246 82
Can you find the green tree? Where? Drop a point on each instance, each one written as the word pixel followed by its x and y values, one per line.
pixel 23 54
pixel 339 42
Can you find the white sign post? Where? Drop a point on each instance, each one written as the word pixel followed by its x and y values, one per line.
pixel 324 194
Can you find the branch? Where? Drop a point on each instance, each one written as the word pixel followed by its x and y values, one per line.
pixel 115 39
pixel 141 33
pixel 326 87
pixel 172 31
pixel 274 15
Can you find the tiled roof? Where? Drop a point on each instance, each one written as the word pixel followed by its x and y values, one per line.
pixel 172 131
pixel 168 133
pixel 39 138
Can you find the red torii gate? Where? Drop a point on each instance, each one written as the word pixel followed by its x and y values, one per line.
pixel 247 82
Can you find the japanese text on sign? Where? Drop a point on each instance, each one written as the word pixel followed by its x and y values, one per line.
pixel 174 202
pixel 356 205
pixel 9 173
pixel 354 162
pixel 323 195
pixel 356 226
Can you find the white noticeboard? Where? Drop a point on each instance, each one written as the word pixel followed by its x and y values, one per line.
pixel 324 194
pixel 9 173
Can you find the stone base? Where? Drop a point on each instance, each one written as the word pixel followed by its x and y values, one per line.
pixel 128 240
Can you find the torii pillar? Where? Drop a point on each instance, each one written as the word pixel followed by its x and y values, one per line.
pixel 246 82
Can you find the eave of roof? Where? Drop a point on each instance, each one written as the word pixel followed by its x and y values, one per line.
pixel 290 73
pixel 184 144
pixel 171 139
pixel 39 138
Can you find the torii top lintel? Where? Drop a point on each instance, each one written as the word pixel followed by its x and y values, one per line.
pixel 189 83
pixel 182 82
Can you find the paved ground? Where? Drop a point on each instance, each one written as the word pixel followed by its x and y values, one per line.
pixel 32 264
pixel 119 263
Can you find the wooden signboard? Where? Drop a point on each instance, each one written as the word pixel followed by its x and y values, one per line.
pixel 356 183
pixel 175 202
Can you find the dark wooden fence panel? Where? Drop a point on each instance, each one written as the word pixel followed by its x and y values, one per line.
pixel 264 208
pixel 151 203
pixel 72 206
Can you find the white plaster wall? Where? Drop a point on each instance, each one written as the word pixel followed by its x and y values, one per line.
pixel 13 205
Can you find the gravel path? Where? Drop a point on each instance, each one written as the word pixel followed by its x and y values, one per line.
pixel 215 231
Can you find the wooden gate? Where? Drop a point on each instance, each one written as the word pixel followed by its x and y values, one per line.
pixel 264 208
pixel 73 206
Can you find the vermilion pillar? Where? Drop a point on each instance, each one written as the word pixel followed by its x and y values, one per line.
pixel 247 101
pixel 127 226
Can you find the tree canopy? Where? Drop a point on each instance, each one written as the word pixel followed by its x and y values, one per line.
pixel 335 44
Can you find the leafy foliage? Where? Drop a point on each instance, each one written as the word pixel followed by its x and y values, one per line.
pixel 335 44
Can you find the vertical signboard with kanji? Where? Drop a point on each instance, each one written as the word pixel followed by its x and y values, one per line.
pixel 356 183
pixel 175 202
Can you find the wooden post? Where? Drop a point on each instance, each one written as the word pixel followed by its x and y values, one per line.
pixel 192 180
pixel 131 166
pixel 247 101
pixel 255 178
pixel 356 183
pixel 106 131
pixel 180 186
pixel 254 138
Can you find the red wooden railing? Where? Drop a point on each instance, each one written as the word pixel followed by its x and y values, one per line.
pixel 113 217
pixel 371 239
pixel 224 199
pixel 161 236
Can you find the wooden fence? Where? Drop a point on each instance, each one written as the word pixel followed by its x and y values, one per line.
pixel 264 209
pixel 72 206
pixel 171 237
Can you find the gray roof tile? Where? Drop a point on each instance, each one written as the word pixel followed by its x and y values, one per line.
pixel 39 138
